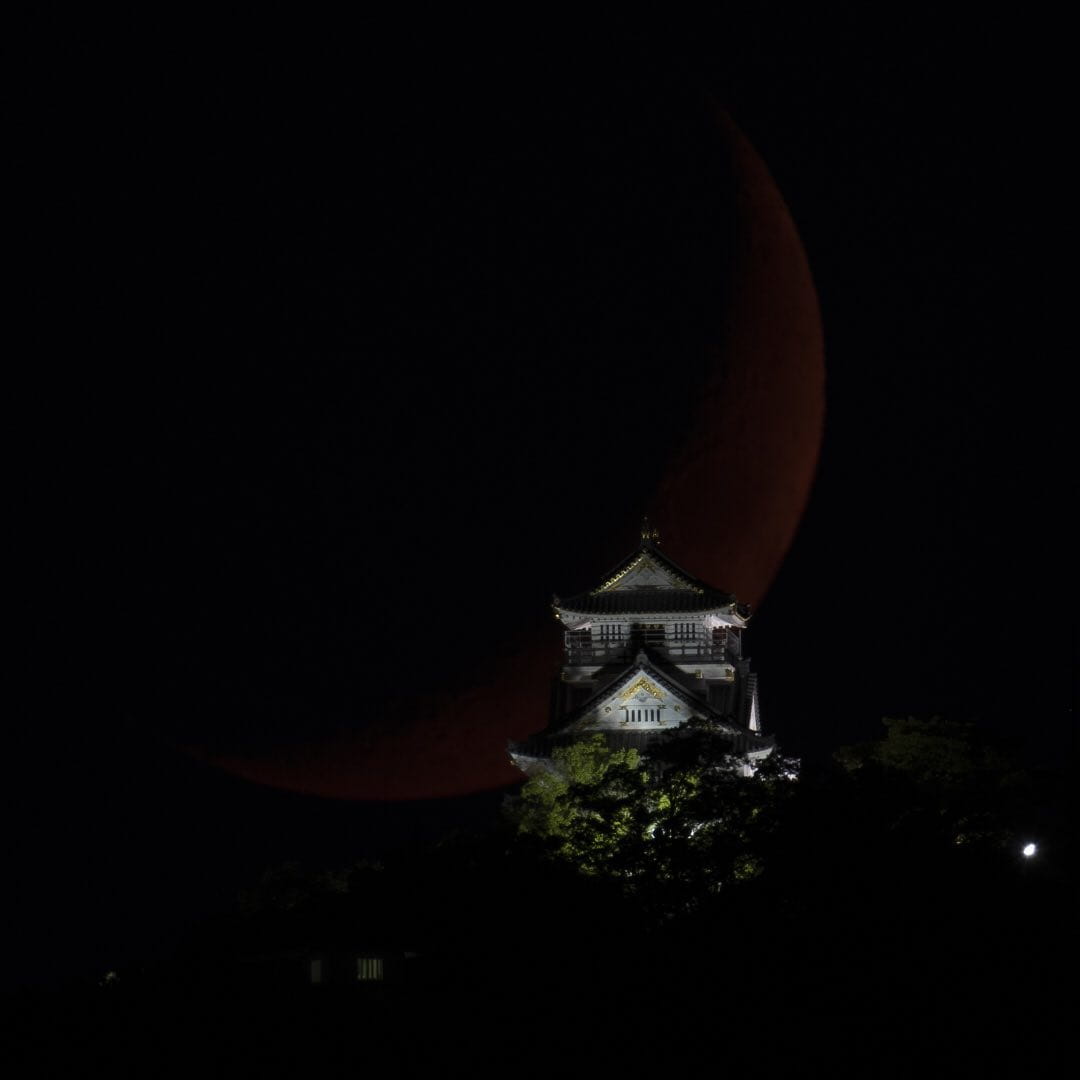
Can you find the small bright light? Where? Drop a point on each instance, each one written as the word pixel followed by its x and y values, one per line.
pixel 1029 850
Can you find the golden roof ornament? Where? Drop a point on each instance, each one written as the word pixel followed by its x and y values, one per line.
pixel 649 532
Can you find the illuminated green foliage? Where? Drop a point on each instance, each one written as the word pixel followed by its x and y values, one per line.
pixel 551 803
pixel 672 827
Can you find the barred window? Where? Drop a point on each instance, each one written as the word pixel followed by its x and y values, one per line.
pixel 369 968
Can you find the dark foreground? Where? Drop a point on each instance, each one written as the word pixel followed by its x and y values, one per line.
pixel 530 970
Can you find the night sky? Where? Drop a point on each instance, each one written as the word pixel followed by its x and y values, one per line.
pixel 320 349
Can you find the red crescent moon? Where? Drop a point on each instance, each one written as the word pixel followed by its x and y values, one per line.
pixel 729 506
pixel 727 510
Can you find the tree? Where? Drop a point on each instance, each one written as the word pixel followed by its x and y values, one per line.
pixel 551 802
pixel 673 826
pixel 946 777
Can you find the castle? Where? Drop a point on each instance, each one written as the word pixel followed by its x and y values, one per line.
pixel 647 650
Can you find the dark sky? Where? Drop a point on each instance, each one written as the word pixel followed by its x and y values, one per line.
pixel 272 294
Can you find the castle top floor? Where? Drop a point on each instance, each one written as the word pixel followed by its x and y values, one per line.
pixel 648 600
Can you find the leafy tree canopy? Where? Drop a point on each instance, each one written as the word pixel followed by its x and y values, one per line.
pixel 932 752
pixel 673 826
pixel 944 770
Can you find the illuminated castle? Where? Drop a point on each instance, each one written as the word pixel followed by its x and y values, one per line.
pixel 647 650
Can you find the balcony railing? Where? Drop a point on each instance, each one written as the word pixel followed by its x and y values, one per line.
pixel 716 647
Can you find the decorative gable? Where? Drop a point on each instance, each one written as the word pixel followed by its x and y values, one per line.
pixel 646 572
pixel 639 701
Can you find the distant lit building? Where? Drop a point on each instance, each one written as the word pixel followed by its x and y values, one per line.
pixel 646 650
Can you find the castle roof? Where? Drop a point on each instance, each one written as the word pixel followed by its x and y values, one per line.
pixel 644 669
pixel 648 581
pixel 600 715
pixel 531 752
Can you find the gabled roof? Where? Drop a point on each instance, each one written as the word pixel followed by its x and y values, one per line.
pixel 644 669
pixel 644 675
pixel 647 581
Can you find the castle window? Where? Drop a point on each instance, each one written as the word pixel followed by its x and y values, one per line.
pixel 369 968
pixel 579 644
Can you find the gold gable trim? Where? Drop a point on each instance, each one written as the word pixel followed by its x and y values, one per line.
pixel 644 562
pixel 641 684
